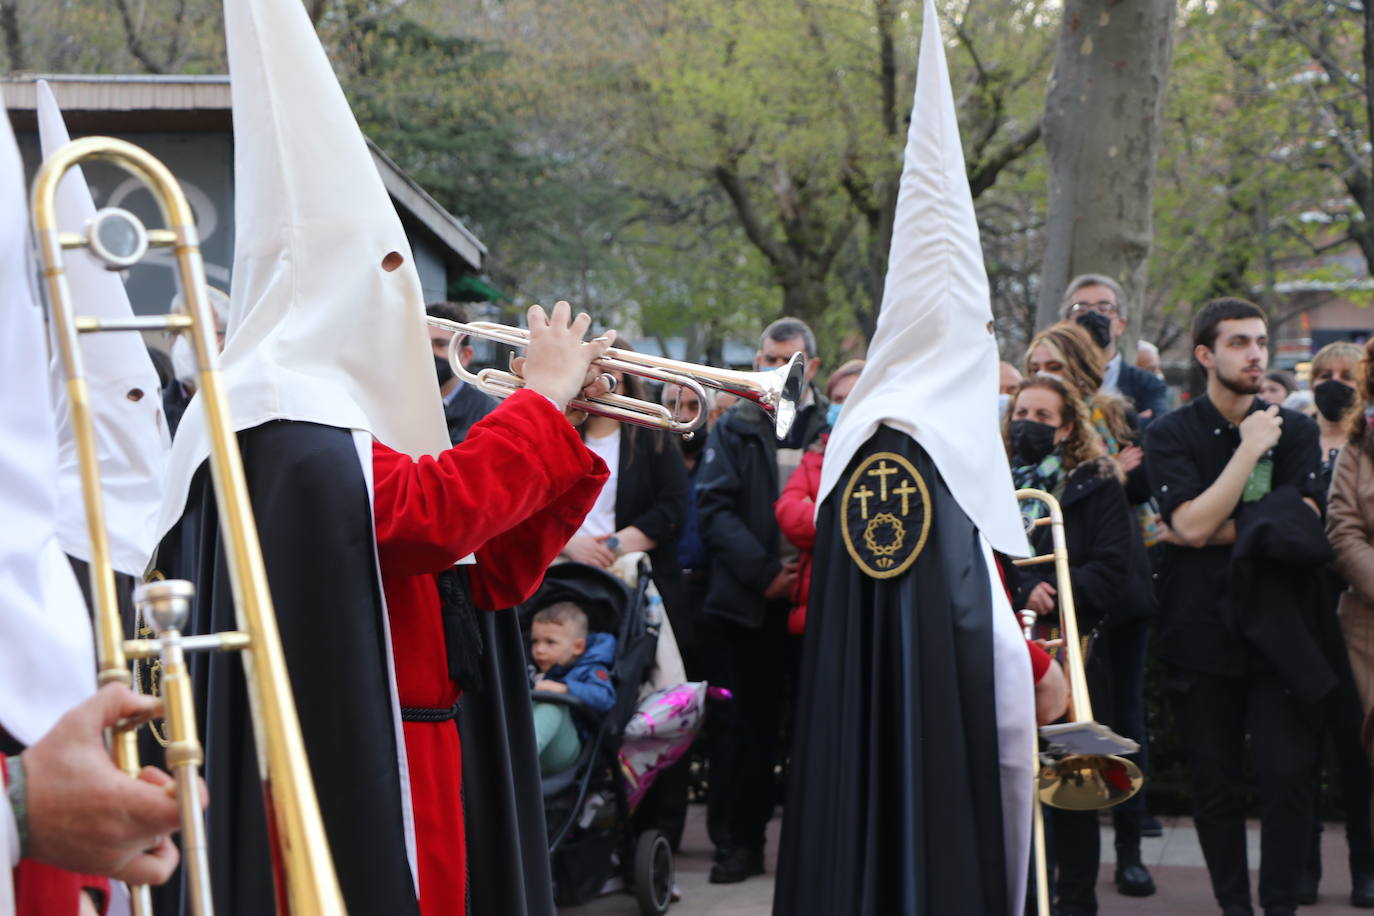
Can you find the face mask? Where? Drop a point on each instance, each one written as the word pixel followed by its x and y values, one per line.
pixel 1031 442
pixel 694 445
pixel 1333 398
pixel 184 365
pixel 1098 325
pixel 443 368
pixel 833 414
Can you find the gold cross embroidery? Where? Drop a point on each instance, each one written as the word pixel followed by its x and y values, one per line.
pixel 864 494
pixel 882 471
pixel 905 491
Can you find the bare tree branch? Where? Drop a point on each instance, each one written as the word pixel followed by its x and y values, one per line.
pixel 984 174
pixel 134 42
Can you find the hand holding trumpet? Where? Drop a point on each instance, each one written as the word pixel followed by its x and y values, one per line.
pixel 558 363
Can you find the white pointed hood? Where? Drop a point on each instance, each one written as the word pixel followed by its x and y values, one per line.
pixel 319 329
pixel 131 435
pixel 47 657
pixel 931 369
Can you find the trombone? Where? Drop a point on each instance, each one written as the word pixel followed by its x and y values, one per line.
pixel 1082 771
pixel 777 391
pixel 306 881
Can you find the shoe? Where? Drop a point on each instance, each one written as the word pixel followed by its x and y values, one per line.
pixel 737 864
pixel 1150 825
pixel 1133 880
pixel 1362 891
pixel 1237 911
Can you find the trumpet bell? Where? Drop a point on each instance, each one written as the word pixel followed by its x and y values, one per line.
pixel 1088 782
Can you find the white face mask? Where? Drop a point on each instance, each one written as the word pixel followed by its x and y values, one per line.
pixel 184 365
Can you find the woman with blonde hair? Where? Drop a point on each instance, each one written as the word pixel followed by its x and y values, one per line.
pixel 1052 446
pixel 1066 350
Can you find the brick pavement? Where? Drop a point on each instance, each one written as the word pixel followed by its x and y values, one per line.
pixel 1175 860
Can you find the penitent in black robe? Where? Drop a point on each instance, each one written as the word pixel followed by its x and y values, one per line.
pixel 894 807
pixel 508 842
pixel 314 520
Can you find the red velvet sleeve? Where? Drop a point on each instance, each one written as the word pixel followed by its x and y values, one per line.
pixel 1040 661
pixel 521 479
pixel 796 507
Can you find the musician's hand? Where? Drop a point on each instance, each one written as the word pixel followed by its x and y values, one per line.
pixel 1041 599
pixel 558 362
pixel 85 815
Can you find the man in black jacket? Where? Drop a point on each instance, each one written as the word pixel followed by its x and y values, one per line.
pixel 464 405
pixel 1103 295
pixel 1211 462
pixel 751 583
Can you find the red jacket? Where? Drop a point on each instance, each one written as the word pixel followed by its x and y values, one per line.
pixel 796 514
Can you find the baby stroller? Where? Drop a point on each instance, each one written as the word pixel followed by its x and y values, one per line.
pixel 588 807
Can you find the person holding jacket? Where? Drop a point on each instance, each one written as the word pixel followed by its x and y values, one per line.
pixel 1053 447
pixel 796 507
pixel 749 596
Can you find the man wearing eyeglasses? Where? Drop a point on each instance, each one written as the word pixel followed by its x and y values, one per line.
pixel 1100 294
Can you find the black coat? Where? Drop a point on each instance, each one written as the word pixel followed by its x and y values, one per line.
pixel 1108 569
pixel 651 494
pixel 1280 549
pixel 467 407
pixel 736 489
pixel 1145 390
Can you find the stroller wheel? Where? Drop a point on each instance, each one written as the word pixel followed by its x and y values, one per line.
pixel 653 875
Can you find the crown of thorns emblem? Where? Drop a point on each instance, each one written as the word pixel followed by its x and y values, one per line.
pixel 884 536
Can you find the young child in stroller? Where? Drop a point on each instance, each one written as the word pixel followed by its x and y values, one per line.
pixel 573 661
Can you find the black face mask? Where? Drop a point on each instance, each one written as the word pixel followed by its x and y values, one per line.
pixel 443 369
pixel 694 445
pixel 1098 325
pixel 1333 398
pixel 1031 441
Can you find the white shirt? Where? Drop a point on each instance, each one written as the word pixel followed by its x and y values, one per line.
pixel 601 520
pixel 1112 374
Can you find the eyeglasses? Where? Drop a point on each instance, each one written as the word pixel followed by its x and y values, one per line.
pixel 1103 306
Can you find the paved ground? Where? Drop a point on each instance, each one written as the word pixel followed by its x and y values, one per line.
pixel 1175 859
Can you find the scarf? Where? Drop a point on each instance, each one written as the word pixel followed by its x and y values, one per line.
pixel 1048 475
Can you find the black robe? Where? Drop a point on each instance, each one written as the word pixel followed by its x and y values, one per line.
pixel 314 520
pixel 894 806
pixel 508 842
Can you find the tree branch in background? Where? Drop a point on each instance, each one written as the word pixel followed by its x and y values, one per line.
pixel 134 42
pixel 14 35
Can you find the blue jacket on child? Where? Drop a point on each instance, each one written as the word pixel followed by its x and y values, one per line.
pixel 589 678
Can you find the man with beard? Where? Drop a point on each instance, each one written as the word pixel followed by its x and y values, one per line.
pixel 1211 463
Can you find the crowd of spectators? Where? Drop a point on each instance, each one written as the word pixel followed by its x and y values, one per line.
pixel 1230 539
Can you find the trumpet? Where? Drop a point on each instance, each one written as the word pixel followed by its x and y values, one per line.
pixel 306 881
pixel 1084 771
pixel 777 391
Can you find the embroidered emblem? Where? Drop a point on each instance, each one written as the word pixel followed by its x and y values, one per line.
pixel 603 674
pixel 886 515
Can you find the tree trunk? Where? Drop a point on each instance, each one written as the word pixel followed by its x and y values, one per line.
pixel 1102 132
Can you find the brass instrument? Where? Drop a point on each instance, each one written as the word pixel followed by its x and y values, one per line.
pixel 306 881
pixel 777 391
pixel 1082 770
pixel 1040 868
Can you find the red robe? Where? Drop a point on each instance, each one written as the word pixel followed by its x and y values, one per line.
pixel 513 493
